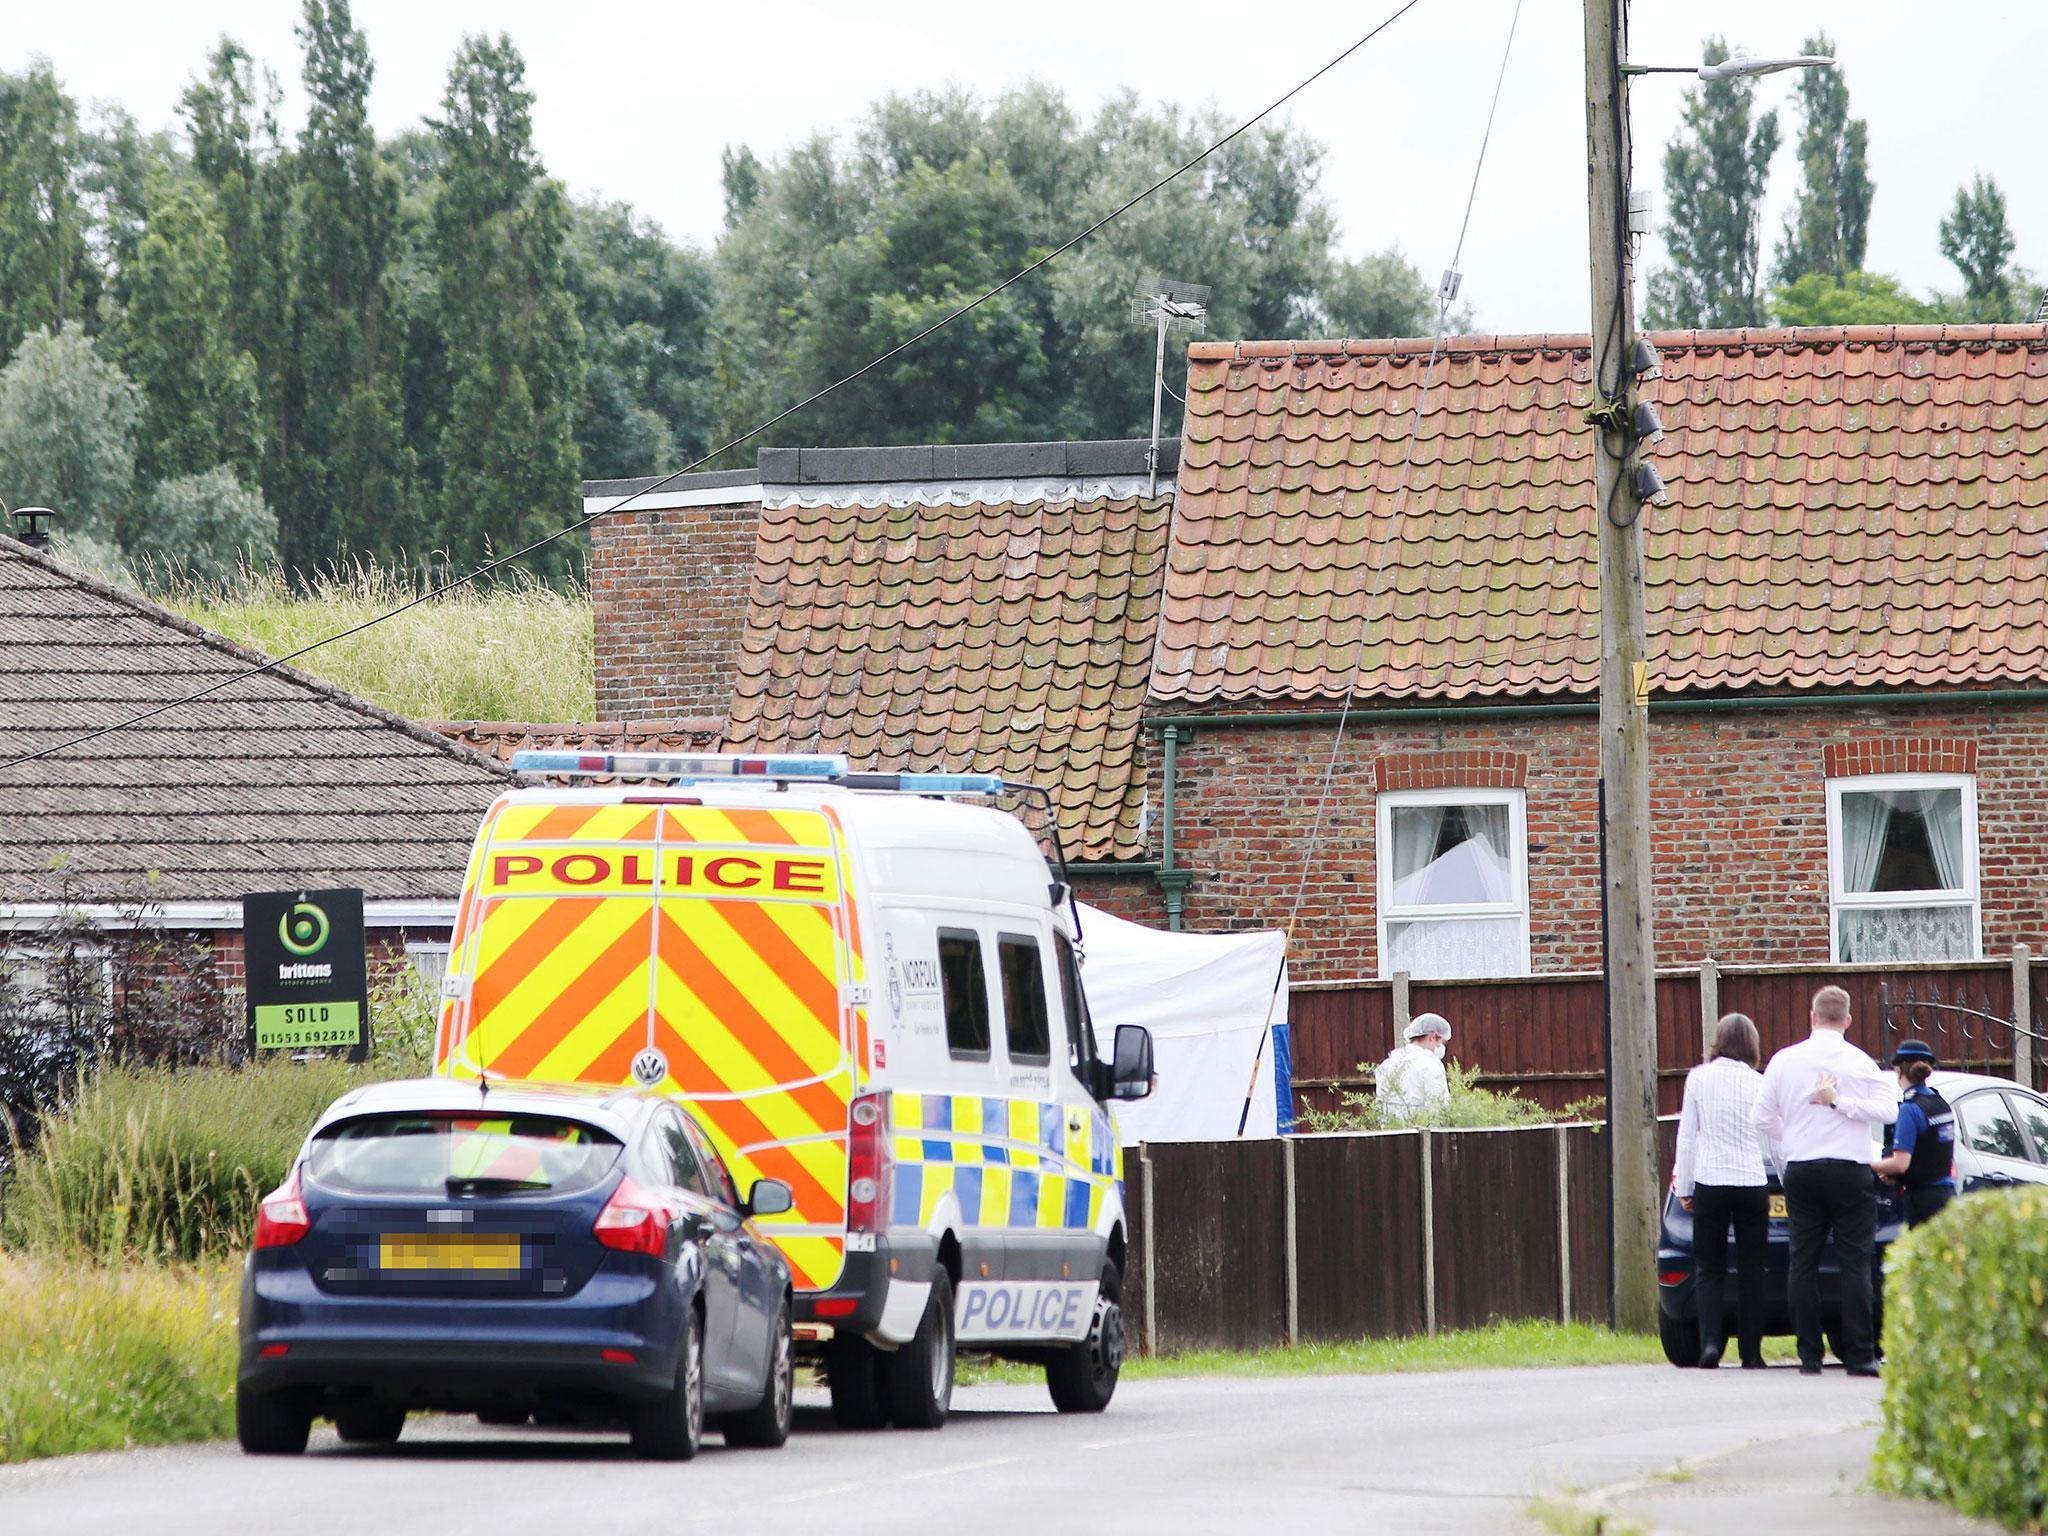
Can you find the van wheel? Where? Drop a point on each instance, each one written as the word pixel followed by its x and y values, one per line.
pixel 1083 1376
pixel 272 1423
pixel 1680 1337
pixel 671 1428
pixel 919 1376
pixel 766 1424
pixel 853 1371
pixel 371 1424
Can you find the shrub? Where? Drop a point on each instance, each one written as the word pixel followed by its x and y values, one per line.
pixel 100 1359
pixel 1966 1378
pixel 206 526
pixel 1470 1107
pixel 166 1164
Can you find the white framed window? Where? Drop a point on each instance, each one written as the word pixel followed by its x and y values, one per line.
pixel 1902 868
pixel 1453 882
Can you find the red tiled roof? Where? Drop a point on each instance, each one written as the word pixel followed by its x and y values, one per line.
pixel 502 738
pixel 1010 637
pixel 1851 508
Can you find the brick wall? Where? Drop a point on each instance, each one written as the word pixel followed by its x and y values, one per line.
pixel 1739 824
pixel 669 593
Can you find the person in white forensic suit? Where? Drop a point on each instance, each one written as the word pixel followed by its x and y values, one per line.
pixel 1412 1081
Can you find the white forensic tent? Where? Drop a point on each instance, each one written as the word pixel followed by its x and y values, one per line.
pixel 1206 998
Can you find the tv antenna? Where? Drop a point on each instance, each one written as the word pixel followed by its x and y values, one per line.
pixel 1165 305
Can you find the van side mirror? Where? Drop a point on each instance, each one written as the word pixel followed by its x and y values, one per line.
pixel 1130 1074
pixel 769 1197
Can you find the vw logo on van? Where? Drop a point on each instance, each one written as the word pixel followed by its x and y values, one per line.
pixel 650 1068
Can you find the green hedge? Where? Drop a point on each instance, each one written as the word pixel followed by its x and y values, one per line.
pixel 1966 1369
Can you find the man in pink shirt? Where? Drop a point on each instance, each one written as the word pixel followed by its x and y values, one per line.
pixel 1819 1101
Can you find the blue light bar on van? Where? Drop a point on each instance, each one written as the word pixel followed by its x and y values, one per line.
pixel 951 783
pixel 702 765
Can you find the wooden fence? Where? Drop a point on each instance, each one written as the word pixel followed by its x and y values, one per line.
pixel 1543 1035
pixel 1248 1244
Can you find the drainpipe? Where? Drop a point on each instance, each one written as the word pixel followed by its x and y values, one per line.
pixel 1173 880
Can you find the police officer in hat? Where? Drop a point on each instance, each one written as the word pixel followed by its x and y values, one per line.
pixel 1920 1149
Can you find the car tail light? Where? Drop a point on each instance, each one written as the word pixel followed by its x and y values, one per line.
pixel 633 1221
pixel 837 1306
pixel 867 1163
pixel 1670 1276
pixel 281 1218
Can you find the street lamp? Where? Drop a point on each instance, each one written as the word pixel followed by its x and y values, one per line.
pixel 1622 484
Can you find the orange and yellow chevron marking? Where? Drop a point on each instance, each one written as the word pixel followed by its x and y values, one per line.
pixel 576 965
pixel 587 823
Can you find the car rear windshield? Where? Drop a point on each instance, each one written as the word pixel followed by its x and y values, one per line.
pixel 441 1154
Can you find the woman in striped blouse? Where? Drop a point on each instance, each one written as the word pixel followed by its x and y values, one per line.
pixel 1720 1179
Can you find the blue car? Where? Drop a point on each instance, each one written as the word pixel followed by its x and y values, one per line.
pixel 2001 1140
pixel 574 1253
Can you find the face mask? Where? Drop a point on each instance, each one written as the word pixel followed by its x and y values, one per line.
pixel 1436 1049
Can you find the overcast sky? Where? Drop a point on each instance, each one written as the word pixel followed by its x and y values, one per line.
pixel 635 100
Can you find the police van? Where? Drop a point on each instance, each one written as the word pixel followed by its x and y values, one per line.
pixel 866 986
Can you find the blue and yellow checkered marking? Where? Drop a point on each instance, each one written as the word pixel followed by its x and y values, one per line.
pixel 1008 1162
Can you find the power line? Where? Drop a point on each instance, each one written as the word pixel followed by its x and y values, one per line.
pixel 780 416
pixel 1445 294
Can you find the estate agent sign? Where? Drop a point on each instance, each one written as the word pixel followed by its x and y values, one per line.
pixel 303 951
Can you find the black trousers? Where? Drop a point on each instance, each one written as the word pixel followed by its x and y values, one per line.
pixel 1924 1201
pixel 1837 1195
pixel 1714 1207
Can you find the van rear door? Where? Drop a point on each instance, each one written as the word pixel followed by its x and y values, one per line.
pixel 696 948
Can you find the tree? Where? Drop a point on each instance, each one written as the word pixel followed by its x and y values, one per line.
pixel 1978 242
pixel 837 252
pixel 200 404
pixel 347 467
pixel 513 347
pixel 46 276
pixel 1828 227
pixel 231 115
pixel 1383 295
pixel 1714 175
pixel 67 432
pixel 1854 298
pixel 644 305
pixel 207 525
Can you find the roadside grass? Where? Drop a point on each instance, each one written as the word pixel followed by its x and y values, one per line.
pixel 97 1359
pixel 1499 1346
pixel 516 650
pixel 1563 1518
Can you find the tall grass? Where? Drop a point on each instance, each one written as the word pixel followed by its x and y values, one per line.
pixel 1469 1107
pixel 165 1165
pixel 101 1359
pixel 516 650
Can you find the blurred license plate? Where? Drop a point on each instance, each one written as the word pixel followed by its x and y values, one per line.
pixel 1778 1211
pixel 401 1251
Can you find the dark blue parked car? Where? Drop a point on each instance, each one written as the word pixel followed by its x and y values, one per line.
pixel 575 1253
pixel 2001 1140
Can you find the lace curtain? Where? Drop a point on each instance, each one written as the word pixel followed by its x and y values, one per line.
pixel 1456 946
pixel 1898 934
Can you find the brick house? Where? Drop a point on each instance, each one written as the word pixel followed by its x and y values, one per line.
pixel 1847 599
pixel 276 781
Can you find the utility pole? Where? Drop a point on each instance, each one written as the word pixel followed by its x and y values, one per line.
pixel 1629 963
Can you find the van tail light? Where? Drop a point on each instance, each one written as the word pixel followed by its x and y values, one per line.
pixel 281 1218
pixel 867 1163
pixel 633 1221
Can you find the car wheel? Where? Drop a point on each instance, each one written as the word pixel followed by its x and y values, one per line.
pixel 853 1372
pixel 1680 1337
pixel 919 1376
pixel 1083 1376
pixel 671 1428
pixel 371 1424
pixel 272 1423
pixel 766 1424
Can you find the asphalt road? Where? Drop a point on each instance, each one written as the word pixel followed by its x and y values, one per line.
pixel 1463 1452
